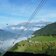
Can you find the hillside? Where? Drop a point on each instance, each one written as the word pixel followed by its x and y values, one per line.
pixel 47 30
pixel 39 44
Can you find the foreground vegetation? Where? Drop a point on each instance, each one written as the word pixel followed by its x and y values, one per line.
pixel 37 44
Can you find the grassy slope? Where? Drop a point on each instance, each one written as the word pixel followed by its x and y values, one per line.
pixel 37 44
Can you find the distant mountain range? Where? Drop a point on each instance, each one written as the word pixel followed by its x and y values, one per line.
pixel 6 35
pixel 50 29
pixel 29 28
pixel 11 31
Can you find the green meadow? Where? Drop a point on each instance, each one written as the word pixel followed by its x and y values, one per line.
pixel 37 44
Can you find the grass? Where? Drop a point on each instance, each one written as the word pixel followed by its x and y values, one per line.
pixel 44 38
pixel 37 44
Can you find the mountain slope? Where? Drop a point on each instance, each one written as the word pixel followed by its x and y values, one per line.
pixel 47 30
pixel 39 44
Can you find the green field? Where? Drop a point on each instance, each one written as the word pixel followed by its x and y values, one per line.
pixel 37 44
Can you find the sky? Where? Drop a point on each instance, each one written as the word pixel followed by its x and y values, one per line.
pixel 17 11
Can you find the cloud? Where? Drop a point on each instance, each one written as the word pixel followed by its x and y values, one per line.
pixel 13 13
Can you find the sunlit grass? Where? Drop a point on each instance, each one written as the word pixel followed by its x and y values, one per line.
pixel 37 44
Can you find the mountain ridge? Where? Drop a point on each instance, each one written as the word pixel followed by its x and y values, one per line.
pixel 49 29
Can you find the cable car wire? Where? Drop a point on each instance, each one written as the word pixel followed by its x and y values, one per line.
pixel 36 11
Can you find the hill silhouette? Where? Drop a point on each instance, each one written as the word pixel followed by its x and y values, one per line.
pixel 50 29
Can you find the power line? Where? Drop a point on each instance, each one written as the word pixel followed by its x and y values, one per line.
pixel 38 8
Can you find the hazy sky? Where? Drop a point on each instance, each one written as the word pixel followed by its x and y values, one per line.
pixel 15 11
